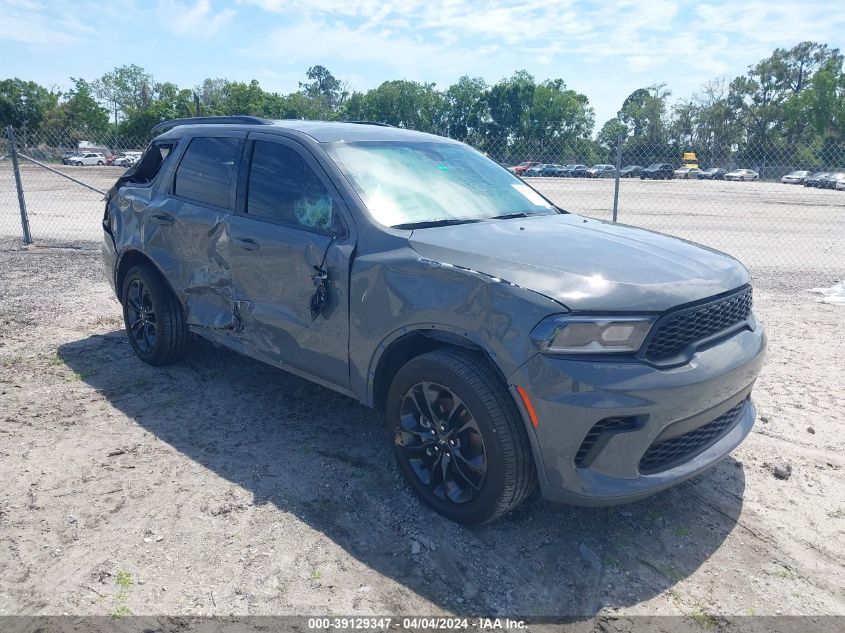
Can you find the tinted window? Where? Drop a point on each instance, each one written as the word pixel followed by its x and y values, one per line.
pixel 206 171
pixel 283 188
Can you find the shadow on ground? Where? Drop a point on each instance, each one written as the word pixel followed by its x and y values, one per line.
pixel 325 459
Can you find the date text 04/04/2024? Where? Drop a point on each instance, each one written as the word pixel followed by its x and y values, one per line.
pixel 414 623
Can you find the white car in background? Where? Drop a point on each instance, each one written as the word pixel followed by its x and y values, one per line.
pixel 128 159
pixel 840 185
pixel 795 178
pixel 742 174
pixel 87 158
pixel 687 172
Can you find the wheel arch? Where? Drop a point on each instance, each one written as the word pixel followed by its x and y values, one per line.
pixel 407 344
pixel 133 257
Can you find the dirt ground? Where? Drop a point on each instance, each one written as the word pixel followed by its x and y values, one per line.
pixel 223 486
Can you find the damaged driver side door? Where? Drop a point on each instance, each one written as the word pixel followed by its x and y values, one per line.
pixel 185 229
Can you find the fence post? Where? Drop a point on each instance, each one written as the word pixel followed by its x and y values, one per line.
pixel 618 167
pixel 27 237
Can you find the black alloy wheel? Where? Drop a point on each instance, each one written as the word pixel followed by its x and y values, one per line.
pixel 442 442
pixel 141 316
pixel 153 316
pixel 458 436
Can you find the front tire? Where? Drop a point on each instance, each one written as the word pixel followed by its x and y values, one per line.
pixel 458 437
pixel 153 317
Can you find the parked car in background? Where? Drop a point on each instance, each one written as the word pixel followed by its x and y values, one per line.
pixel 574 171
pixel 830 181
pixel 613 363
pixel 630 171
pixel 658 171
pixel 87 158
pixel 533 171
pixel 128 159
pixel 813 179
pixel 795 177
pixel 68 155
pixel 840 186
pixel 714 173
pixel 742 175
pixel 556 171
pixel 546 169
pixel 522 167
pixel 601 171
pixel 687 172
pixel 111 158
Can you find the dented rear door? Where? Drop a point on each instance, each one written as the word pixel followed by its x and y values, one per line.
pixel 185 227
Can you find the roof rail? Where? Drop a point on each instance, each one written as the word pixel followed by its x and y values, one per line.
pixel 379 123
pixel 205 120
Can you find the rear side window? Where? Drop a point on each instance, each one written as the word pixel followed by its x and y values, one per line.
pixel 206 170
pixel 149 163
pixel 284 189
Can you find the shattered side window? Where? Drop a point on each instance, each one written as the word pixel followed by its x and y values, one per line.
pixel 148 166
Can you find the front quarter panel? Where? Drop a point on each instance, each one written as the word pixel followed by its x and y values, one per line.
pixel 395 292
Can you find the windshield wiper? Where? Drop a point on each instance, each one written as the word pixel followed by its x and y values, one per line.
pixel 507 216
pixel 424 224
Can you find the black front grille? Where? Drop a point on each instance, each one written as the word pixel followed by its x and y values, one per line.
pixel 602 430
pixel 677 330
pixel 664 454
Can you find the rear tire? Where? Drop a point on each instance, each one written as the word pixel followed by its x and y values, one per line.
pixel 153 317
pixel 458 437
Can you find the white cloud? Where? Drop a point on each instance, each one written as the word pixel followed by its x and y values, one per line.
pixel 641 34
pixel 32 23
pixel 197 19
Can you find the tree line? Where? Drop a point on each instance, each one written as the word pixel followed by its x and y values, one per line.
pixel 790 105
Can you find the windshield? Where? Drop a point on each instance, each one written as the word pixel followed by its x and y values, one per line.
pixel 416 183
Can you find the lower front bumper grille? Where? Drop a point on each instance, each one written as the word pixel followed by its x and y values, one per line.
pixel 664 454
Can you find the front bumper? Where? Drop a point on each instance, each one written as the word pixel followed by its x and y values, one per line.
pixel 571 396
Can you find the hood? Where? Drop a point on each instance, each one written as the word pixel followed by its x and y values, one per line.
pixel 585 264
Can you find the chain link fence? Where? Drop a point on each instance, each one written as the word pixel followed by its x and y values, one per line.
pixel 744 208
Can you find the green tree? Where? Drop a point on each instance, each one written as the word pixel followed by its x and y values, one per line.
pixel 124 89
pixel 465 107
pixel 79 117
pixel 760 98
pixel 324 88
pixel 25 103
pixel 509 101
pixel 401 103
pixel 644 111
pixel 716 128
pixel 558 113
pixel 209 96
pixel 242 98
pixel 606 138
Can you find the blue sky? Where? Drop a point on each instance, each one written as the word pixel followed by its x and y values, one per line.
pixel 603 49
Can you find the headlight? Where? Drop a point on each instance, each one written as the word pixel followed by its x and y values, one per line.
pixel 561 334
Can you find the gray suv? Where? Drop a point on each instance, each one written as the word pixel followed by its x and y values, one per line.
pixel 507 342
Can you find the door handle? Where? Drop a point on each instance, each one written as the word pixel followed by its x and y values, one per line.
pixel 245 243
pixel 165 219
